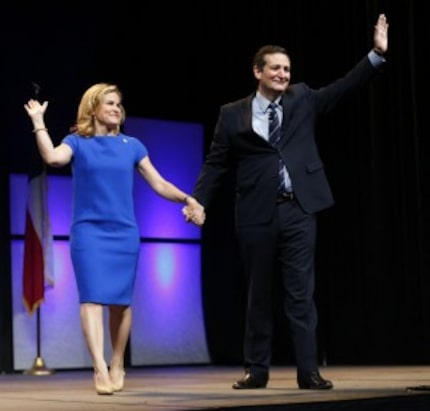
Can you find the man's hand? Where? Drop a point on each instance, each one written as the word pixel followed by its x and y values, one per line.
pixel 380 35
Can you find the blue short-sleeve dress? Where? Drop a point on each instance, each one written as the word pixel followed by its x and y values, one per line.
pixel 104 237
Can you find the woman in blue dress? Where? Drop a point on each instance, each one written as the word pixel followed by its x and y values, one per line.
pixel 104 238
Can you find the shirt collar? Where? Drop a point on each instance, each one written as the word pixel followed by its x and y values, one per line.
pixel 263 102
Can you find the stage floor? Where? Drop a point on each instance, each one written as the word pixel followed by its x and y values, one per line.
pixel 209 388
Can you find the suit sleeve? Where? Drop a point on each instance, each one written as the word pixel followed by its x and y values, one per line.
pixel 217 163
pixel 327 97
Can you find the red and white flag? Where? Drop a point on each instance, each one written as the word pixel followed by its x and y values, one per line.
pixel 38 256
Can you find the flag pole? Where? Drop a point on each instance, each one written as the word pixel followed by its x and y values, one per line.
pixel 39 366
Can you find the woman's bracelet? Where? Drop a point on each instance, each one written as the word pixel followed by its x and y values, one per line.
pixel 40 129
pixel 186 198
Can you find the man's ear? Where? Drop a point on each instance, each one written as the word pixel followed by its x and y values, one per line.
pixel 257 72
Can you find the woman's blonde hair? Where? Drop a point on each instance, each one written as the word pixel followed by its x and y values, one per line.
pixel 90 100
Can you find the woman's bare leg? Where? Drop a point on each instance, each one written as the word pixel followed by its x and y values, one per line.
pixel 92 326
pixel 120 325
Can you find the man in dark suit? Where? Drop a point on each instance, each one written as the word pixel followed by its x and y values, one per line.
pixel 268 138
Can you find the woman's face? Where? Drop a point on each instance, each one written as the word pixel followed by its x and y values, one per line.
pixel 109 112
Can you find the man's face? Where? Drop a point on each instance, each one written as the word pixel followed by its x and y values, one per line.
pixel 275 76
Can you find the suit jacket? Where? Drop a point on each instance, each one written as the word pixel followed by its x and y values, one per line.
pixel 255 161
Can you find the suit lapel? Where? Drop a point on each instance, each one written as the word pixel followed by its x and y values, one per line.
pixel 288 115
pixel 246 113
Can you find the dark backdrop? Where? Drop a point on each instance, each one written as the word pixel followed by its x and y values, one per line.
pixel 181 61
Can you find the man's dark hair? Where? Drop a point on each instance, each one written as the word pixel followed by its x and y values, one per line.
pixel 259 59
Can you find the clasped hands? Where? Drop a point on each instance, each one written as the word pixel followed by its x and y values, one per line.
pixel 194 212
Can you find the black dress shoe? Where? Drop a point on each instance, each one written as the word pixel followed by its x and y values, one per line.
pixel 249 381
pixel 314 381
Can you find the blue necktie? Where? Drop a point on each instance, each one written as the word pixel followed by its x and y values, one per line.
pixel 274 136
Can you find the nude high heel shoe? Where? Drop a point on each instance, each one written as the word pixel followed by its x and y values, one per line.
pixel 117 376
pixel 102 382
